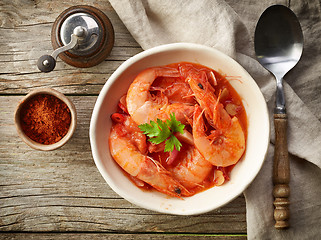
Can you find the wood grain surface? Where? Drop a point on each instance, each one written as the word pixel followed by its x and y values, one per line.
pixel 60 194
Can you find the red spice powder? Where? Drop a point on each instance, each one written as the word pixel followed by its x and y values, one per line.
pixel 45 119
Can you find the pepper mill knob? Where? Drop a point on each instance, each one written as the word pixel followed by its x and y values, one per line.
pixel 82 36
pixel 46 63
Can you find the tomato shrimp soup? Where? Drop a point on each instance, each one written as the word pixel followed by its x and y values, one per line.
pixel 179 129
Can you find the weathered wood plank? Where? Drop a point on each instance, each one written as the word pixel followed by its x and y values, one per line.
pixel 62 190
pixel 24 38
pixel 93 236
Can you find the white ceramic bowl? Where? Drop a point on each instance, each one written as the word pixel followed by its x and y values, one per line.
pixel 245 170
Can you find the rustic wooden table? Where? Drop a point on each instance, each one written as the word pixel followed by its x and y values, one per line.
pixel 60 194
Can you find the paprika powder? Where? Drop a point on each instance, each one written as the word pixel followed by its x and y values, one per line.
pixel 45 119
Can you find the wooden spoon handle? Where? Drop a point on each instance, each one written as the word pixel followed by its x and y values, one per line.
pixel 281 173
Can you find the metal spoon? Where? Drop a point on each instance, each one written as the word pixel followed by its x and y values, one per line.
pixel 278 46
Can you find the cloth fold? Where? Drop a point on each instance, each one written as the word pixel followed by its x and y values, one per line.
pixel 217 24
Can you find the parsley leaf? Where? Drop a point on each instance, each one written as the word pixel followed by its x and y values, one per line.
pixel 163 134
pixel 171 142
pixel 151 130
pixel 175 125
pixel 161 131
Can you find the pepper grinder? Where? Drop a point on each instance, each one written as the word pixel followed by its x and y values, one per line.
pixel 82 36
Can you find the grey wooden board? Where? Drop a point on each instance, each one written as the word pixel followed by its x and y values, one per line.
pixel 93 236
pixel 62 190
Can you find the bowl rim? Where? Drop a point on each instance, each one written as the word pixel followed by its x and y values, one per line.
pixel 117 74
pixel 33 144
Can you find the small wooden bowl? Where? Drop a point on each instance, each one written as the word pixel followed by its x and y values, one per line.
pixel 34 144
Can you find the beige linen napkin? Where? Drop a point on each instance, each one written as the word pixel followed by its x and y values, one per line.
pixel 216 24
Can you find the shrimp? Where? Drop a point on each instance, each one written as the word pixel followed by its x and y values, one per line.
pixel 134 160
pixel 141 105
pixel 226 146
pixel 188 166
pixel 192 169
pixel 175 89
pixel 226 143
pixel 203 91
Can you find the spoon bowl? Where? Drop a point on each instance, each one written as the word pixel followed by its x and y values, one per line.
pixel 278 40
pixel 278 45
